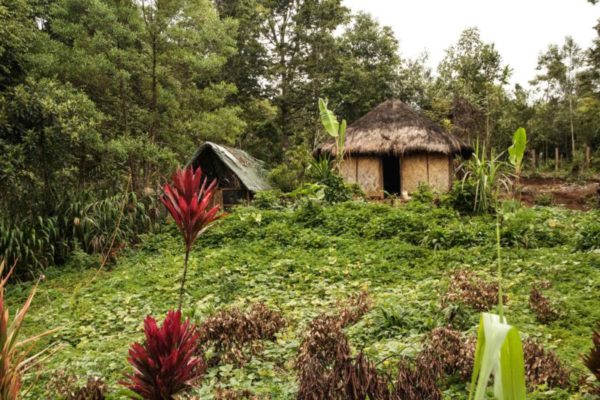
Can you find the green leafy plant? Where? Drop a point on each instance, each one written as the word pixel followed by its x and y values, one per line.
pixel 335 129
pixel 486 177
pixel 516 151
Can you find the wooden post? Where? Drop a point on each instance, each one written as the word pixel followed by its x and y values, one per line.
pixel 588 156
pixel 533 160
pixel 556 159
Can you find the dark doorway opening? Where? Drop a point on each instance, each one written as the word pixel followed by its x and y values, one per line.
pixel 391 175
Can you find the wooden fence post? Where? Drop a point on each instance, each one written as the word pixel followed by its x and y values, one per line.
pixel 556 159
pixel 533 160
pixel 588 156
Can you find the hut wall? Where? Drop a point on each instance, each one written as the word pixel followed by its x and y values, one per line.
pixel 432 168
pixel 414 171
pixel 348 169
pixel 369 176
pixel 439 172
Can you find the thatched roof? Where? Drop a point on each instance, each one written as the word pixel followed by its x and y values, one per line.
pixel 249 170
pixel 395 128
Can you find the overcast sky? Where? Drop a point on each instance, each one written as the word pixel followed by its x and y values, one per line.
pixel 521 29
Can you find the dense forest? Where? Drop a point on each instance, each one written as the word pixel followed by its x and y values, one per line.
pixel 101 99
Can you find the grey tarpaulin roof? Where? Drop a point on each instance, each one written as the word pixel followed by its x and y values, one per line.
pixel 248 169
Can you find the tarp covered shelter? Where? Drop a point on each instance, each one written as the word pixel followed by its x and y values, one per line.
pixel 239 175
pixel 393 148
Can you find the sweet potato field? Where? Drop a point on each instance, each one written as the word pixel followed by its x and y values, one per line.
pixel 388 286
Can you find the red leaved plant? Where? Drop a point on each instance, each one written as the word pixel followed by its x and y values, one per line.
pixel 188 202
pixel 166 363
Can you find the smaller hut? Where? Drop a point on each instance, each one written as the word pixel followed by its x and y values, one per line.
pixel 239 175
pixel 392 149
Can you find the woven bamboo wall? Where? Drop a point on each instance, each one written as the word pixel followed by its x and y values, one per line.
pixel 369 176
pixel 348 170
pixel 439 172
pixel 414 171
pixel 432 168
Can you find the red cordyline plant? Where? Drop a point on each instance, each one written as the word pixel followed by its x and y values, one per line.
pixel 166 363
pixel 188 201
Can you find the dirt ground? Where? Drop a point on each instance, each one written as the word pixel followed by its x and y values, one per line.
pixel 547 191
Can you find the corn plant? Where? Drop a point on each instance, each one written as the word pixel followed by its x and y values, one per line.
pixel 334 129
pixel 499 352
pixel 13 360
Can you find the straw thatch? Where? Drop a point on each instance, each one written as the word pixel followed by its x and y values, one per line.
pixel 395 128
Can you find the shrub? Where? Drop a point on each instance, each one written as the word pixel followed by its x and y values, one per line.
pixel 544 199
pixel 462 197
pixel 588 237
pixel 423 194
pixel 268 199
pixel 529 228
pixel 166 363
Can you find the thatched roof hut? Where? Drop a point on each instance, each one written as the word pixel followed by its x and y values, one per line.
pixel 239 175
pixel 393 149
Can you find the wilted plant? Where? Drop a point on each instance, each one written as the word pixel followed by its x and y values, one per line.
pixel 230 331
pixel 65 386
pixel 455 352
pixel 470 290
pixel 229 394
pixel 543 367
pixel 13 361
pixel 417 380
pixel 541 306
pixel 326 367
pixel 188 202
pixel 592 359
pixel 166 363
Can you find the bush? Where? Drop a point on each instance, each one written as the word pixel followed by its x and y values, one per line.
pixel 529 228
pixel 268 199
pixel 588 237
pixel 463 197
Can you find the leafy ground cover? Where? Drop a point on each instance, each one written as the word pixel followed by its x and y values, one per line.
pixel 301 262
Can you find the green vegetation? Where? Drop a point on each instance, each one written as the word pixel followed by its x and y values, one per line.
pixel 301 261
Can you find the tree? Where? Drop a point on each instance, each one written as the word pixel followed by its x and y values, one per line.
pixel 473 74
pixel 366 68
pixel 299 39
pixel 559 67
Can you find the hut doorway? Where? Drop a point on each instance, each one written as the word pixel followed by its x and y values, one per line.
pixel 391 174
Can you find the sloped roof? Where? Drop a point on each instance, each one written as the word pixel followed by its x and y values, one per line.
pixel 250 171
pixel 395 128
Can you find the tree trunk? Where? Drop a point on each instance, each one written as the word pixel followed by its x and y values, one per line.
pixel 572 127
pixel 556 159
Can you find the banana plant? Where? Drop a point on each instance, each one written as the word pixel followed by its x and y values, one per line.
pixel 516 152
pixel 334 129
